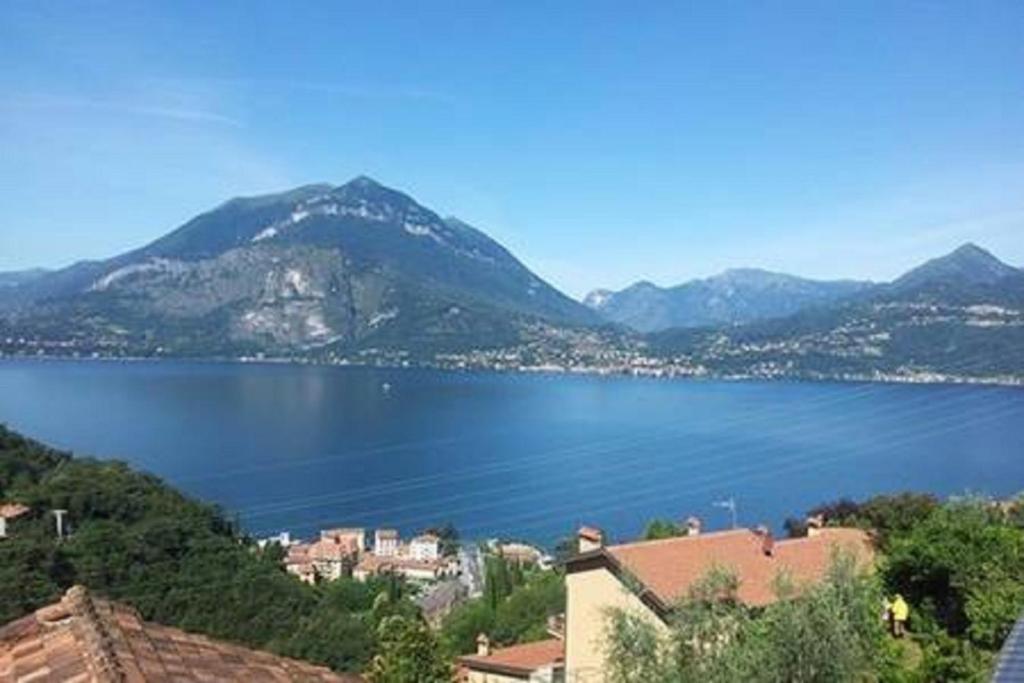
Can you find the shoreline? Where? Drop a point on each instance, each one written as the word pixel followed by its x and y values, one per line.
pixel 551 370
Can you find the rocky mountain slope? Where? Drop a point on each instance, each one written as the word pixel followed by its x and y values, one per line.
pixel 352 266
pixel 734 297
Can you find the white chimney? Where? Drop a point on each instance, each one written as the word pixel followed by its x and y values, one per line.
pixel 815 523
pixel 693 526
pixel 589 539
pixel 483 645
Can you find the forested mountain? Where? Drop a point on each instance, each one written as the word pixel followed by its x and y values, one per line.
pixel 358 265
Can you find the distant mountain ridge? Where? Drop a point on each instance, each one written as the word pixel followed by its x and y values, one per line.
pixel 358 264
pixel 959 315
pixel 734 297
pixel 17 278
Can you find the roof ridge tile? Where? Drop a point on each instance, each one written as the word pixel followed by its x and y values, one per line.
pixel 94 633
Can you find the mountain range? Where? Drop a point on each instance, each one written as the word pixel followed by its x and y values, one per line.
pixel 364 273
pixel 956 316
pixel 735 297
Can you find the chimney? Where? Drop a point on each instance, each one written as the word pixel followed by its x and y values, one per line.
pixel 693 526
pixel 556 626
pixel 767 542
pixel 483 645
pixel 815 523
pixel 589 539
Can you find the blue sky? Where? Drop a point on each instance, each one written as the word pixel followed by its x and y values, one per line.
pixel 603 142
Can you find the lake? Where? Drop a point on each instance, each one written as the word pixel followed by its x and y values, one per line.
pixel 289 447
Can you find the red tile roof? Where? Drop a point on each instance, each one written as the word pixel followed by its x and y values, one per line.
pixel 333 550
pixel 519 660
pixel 88 640
pixel 12 510
pixel 669 567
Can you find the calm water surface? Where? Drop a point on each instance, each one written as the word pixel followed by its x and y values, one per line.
pixel 299 448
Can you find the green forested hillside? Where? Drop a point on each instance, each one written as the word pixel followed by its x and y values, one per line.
pixel 180 562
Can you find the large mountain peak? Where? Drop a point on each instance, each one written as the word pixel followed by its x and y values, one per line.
pixel 968 264
pixel 363 181
pixel 314 265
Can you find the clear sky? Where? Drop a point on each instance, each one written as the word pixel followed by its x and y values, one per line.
pixel 603 142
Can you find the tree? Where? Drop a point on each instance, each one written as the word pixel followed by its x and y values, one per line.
pixel 661 528
pixel 830 632
pixel 523 615
pixel 884 515
pixel 179 562
pixel 408 653
pixel 462 626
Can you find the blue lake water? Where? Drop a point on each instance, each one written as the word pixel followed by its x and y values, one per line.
pixel 299 448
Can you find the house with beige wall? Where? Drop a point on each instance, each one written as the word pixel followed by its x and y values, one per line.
pixel 647 578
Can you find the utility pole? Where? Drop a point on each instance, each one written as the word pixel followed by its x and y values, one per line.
pixel 59 514
pixel 730 505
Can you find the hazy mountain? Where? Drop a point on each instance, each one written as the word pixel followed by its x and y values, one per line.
pixel 731 298
pixel 15 278
pixel 958 315
pixel 966 268
pixel 359 264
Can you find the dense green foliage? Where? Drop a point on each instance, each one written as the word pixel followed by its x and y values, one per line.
pixel 409 653
pixel 959 564
pixel 514 608
pixel 178 561
pixel 661 528
pixel 829 633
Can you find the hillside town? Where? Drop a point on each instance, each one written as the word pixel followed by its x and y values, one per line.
pixel 345 552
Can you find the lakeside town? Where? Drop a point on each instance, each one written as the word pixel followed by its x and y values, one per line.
pixel 611 363
pixel 444 572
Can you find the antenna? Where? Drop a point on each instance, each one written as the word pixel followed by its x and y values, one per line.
pixel 730 505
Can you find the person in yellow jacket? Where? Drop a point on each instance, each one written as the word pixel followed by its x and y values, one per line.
pixel 900 613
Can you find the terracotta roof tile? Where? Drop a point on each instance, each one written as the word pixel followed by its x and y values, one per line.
pixel 519 660
pixel 671 566
pixel 12 510
pixel 89 640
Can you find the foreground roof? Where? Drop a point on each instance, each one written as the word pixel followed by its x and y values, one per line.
pixel 668 568
pixel 519 660
pixel 88 640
